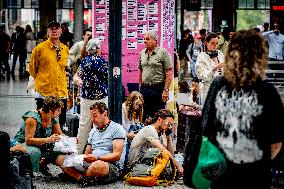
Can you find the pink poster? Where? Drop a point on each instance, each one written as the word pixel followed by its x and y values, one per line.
pixel 138 16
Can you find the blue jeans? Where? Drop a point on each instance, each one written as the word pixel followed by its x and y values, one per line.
pixel 192 68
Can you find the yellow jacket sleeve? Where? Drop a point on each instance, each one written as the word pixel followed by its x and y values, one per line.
pixel 33 65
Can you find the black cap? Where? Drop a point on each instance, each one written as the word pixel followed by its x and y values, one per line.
pixel 53 24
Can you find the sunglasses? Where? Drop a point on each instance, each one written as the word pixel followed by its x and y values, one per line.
pixel 169 124
pixel 58 55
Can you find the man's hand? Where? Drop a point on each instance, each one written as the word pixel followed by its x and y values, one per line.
pixel 90 158
pixel 218 66
pixel 165 96
pixel 180 169
pixel 79 83
pixel 275 148
pixel 131 135
pixel 77 140
pixel 77 80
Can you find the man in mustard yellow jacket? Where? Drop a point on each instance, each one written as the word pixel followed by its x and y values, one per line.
pixel 47 67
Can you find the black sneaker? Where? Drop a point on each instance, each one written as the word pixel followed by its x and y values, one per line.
pixel 45 170
pixel 179 178
pixel 86 181
pixel 65 178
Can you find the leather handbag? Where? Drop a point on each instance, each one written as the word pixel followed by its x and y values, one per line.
pixel 191 111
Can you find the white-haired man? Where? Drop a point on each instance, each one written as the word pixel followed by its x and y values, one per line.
pixel 155 74
pixel 93 78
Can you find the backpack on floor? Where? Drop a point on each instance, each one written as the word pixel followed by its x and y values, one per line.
pixel 21 171
pixel 155 168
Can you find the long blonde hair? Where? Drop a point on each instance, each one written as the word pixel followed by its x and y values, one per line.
pixel 134 106
pixel 246 59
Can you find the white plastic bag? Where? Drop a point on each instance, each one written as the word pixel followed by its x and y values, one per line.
pixel 76 161
pixel 66 145
pixel 31 84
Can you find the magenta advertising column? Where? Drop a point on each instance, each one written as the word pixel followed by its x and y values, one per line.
pixel 100 11
pixel 138 16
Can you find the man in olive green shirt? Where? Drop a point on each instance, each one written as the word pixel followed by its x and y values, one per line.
pixel 155 74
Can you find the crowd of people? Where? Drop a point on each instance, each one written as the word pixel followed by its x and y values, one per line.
pixel 227 100
pixel 19 46
pixel 232 71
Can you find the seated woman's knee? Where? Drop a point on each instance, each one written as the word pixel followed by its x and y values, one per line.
pixel 98 169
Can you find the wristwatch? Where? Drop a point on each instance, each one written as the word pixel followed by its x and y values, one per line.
pixel 165 89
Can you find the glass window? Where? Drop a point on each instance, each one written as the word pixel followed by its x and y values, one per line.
pixel 242 4
pixel 250 4
pixel 67 4
pixel 87 4
pixel 206 4
pixel 13 3
pixel 35 4
pixel 263 4
pixel 27 3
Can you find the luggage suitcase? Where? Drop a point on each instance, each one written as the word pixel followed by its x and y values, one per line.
pixel 4 159
pixel 188 127
pixel 72 121
pixel 72 124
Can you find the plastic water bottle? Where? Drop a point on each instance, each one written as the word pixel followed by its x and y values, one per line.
pixel 179 157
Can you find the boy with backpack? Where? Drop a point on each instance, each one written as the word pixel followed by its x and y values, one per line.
pixel 193 51
pixel 148 137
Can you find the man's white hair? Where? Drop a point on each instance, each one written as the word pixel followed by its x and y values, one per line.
pixel 152 34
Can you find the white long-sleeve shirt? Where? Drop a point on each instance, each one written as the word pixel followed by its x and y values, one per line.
pixel 276 44
pixel 74 53
pixel 204 70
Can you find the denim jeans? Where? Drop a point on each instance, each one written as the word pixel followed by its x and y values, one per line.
pixel 192 68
